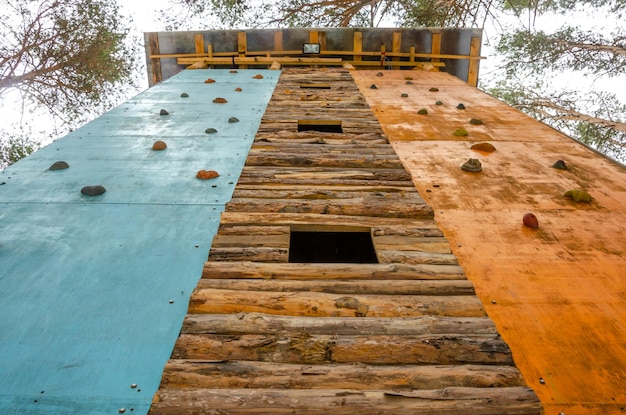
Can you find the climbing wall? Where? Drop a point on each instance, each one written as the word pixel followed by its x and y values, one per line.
pixel 270 332
pixel 95 288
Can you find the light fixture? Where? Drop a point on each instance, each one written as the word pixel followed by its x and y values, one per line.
pixel 311 48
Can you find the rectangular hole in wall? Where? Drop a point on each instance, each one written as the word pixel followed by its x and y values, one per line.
pixel 324 126
pixel 332 247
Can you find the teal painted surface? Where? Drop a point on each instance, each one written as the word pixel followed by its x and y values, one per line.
pixel 94 289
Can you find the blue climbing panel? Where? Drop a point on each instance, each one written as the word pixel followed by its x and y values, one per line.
pixel 95 288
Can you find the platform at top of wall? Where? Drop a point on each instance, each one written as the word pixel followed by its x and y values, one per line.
pixel 455 51
pixel 95 288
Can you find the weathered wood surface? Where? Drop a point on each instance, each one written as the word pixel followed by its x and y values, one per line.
pixel 365 206
pixel 267 336
pixel 258 323
pixel 209 300
pixel 449 401
pixel 383 287
pixel 323 271
pixel 305 348
pixel 206 374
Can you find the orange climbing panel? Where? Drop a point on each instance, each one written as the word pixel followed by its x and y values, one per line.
pixel 557 293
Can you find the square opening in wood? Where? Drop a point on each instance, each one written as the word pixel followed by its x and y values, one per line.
pixel 332 247
pixel 324 126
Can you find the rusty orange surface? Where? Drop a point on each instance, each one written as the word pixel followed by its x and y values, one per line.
pixel 558 293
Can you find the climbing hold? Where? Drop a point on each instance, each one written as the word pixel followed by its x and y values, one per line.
pixel 219 100
pixel 159 145
pixel 404 95
pixel 560 164
pixel 379 74
pixel 207 174
pixel 472 166
pixel 233 71
pixel 476 121
pixel 163 112
pixel 258 76
pixel 485 147
pixel 209 81
pixel 184 95
pixel 233 120
pixel 578 196
pixel 530 220
pixel 460 107
pixel 59 165
pixel 423 112
pixel 409 82
pixel 438 103
pixel 408 78
pixel 461 132
pixel 210 131
pixel 373 86
pixel 433 89
pixel 93 190
pixel 238 89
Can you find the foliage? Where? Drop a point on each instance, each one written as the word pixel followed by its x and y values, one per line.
pixel 14 146
pixel 67 56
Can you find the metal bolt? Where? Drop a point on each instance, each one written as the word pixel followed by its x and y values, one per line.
pixel 122 410
pixel 133 386
pixel 171 301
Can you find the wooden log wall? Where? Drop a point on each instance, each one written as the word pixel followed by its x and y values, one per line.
pixel 404 335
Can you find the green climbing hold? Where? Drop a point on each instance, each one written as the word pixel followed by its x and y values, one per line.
pixel 210 131
pixel 438 103
pixel 433 89
pixel 184 95
pixel 578 196
pixel 461 132
pixel 423 112
pixel 59 165
pixel 476 121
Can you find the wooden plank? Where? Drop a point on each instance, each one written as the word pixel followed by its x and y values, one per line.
pixel 413 207
pixel 313 36
pixel 199 42
pixel 396 45
pixel 246 241
pixel 472 73
pixel 410 243
pixel 157 76
pixel 295 271
pixel 278 41
pixel 185 374
pixel 209 300
pixel 477 401
pixel 262 254
pixel 258 323
pixel 383 287
pixel 304 348
pixel 415 257
pixel 253 230
pixel 357 47
pixel 435 46
pixel 364 194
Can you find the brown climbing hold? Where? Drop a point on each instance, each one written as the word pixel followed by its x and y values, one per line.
pixel 209 81
pixel 220 100
pixel 159 145
pixel 379 74
pixel 233 71
pixel 530 220
pixel 433 89
pixel 423 111
pixel 238 89
pixel 258 76
pixel 404 95
pixel 59 165
pixel 560 164
pixel 207 174
pixel 184 95
pixel 484 147
pixel 476 121
pixel 408 78
pixel 472 166
pixel 93 190
pixel 163 112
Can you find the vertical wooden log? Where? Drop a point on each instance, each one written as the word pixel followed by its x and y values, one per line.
pixel 435 47
pixel 242 47
pixel 322 40
pixel 358 46
pixel 157 76
pixel 278 41
pixel 472 72
pixel 199 40
pixel 396 45
pixel 412 54
pixel 313 36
